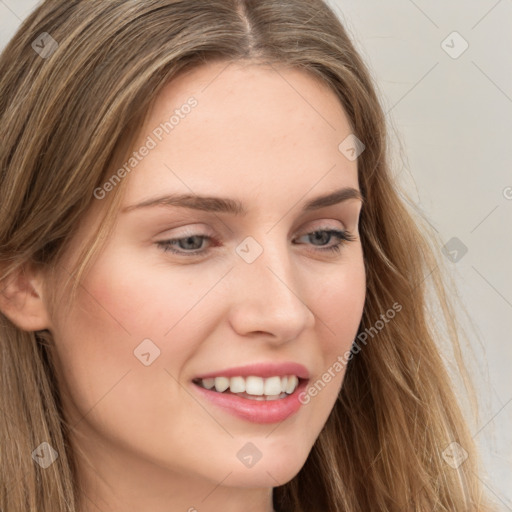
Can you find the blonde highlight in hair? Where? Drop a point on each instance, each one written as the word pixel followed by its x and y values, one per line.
pixel 68 120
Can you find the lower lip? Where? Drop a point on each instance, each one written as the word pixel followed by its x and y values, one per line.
pixel 256 411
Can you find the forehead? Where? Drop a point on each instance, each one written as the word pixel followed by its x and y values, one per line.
pixel 236 129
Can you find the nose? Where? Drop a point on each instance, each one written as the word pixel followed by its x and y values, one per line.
pixel 268 298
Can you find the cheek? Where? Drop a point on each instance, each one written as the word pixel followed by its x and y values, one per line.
pixel 128 298
pixel 121 305
pixel 338 308
pixel 125 309
pixel 341 304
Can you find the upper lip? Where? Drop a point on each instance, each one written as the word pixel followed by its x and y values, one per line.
pixel 260 370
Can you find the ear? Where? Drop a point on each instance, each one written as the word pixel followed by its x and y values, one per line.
pixel 21 299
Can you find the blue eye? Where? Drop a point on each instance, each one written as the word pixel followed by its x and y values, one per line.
pixel 322 234
pixel 191 245
pixel 184 243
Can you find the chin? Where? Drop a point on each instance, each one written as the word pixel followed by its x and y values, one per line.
pixel 272 472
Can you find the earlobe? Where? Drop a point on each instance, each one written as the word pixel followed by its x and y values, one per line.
pixel 21 300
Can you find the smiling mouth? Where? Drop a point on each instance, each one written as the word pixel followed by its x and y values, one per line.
pixel 252 387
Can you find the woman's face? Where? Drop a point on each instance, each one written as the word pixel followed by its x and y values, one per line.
pixel 259 290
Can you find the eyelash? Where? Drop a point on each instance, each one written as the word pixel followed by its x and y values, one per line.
pixel 343 237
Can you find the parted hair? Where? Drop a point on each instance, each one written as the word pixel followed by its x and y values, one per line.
pixel 67 119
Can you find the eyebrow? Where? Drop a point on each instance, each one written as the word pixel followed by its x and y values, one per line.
pixel 235 207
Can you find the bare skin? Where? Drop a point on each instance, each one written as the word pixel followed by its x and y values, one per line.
pixel 146 439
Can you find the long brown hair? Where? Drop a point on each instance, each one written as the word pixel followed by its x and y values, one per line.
pixel 68 114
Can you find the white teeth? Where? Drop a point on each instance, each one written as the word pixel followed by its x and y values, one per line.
pixel 266 398
pixel 237 384
pixel 271 387
pixel 254 385
pixel 221 384
pixel 208 383
pixel 293 381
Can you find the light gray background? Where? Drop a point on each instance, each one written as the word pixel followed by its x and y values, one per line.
pixel 452 117
pixel 451 124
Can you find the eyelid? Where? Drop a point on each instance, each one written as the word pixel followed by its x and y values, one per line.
pixel 322 224
pixel 186 230
pixel 343 236
pixel 192 229
pixel 201 229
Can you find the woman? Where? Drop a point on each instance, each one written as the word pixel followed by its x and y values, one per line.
pixel 287 360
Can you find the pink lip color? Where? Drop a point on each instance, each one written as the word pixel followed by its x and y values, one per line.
pixel 256 411
pixel 261 370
